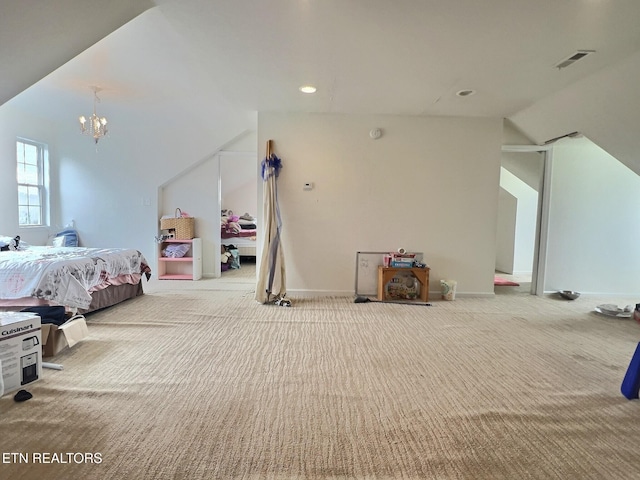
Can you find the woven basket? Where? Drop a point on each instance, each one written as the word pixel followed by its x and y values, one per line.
pixel 184 227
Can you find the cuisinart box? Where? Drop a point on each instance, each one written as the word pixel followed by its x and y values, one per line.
pixel 20 349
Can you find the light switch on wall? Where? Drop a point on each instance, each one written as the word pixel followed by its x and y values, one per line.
pixel 308 186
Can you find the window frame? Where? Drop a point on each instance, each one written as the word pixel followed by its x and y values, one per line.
pixel 41 185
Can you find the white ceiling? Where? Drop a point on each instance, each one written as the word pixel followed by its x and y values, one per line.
pixel 201 58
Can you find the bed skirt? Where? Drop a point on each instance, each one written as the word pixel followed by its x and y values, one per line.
pixel 100 299
pixel 112 295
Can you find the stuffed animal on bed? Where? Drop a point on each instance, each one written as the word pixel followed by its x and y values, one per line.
pixel 13 244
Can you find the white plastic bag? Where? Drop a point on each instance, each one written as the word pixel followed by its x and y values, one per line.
pixel 448 289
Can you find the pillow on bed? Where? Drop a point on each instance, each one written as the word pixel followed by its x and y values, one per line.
pixel 58 241
pixel 66 238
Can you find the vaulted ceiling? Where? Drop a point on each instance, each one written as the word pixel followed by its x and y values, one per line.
pixel 201 58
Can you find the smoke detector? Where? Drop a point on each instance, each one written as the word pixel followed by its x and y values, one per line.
pixel 375 133
pixel 574 57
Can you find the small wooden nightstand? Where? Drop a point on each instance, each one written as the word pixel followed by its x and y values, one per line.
pixel 385 274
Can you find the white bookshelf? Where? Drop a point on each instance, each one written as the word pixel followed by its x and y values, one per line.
pixel 188 267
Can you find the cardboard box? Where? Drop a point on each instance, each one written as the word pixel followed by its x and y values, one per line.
pixel 56 338
pixel 20 349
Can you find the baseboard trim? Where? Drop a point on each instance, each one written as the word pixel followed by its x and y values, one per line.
pixel 302 293
pixel 598 294
pixel 435 295
pixel 474 294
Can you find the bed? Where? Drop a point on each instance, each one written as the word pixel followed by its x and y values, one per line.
pixel 81 279
pixel 240 232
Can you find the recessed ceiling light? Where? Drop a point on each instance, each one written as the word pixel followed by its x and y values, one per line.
pixel 307 89
pixel 465 93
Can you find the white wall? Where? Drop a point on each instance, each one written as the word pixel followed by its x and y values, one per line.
pixel 429 184
pixel 527 166
pixel 238 182
pixel 594 222
pixel 525 221
pixel 14 124
pixel 506 231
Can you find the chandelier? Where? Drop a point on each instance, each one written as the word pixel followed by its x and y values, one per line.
pixel 95 126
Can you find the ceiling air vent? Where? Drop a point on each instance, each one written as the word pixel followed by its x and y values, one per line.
pixel 579 55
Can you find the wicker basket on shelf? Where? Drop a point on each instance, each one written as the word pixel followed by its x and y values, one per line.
pixel 184 227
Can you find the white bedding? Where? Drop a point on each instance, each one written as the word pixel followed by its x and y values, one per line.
pixel 66 275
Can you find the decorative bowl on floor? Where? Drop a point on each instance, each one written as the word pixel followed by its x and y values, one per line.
pixel 569 294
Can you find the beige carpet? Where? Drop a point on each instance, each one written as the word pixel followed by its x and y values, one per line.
pixel 201 382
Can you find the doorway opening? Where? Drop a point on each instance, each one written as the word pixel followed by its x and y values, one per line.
pixel 238 201
pixel 523 219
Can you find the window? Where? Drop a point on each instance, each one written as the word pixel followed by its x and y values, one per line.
pixel 31 183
